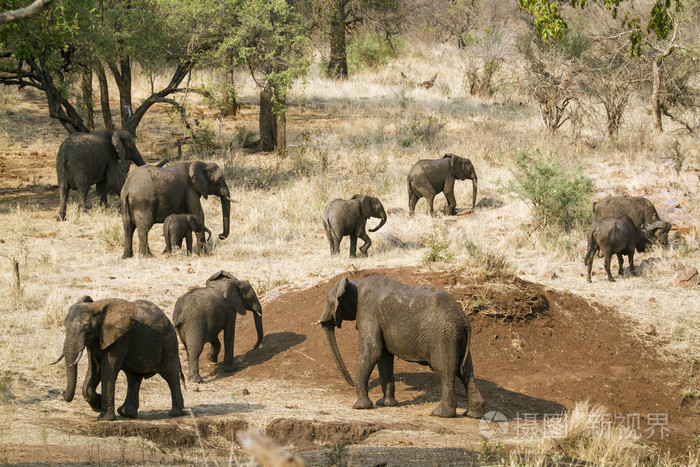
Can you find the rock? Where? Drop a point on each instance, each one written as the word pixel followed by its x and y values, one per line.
pixel 85 279
pixel 190 271
pixel 686 279
pixel 396 212
pixel 488 203
pixel 397 242
pixel 176 269
pixel 242 392
pixel 649 329
pixel 465 212
pixel 690 181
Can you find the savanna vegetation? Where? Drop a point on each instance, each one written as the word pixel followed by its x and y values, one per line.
pixel 556 103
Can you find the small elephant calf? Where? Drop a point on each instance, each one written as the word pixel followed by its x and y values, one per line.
pixel 179 226
pixel 348 217
pixel 616 236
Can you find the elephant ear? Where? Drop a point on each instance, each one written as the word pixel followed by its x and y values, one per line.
pixel 199 178
pixel 365 205
pixel 341 303
pixel 232 294
pixel 116 321
pixel 218 275
pixel 119 145
pixel 456 166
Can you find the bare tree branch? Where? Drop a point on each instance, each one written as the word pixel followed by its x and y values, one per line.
pixel 25 12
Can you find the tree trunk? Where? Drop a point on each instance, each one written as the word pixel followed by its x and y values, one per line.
pixel 86 86
pixel 338 64
pixel 122 76
pixel 104 98
pixel 267 122
pixel 281 131
pixel 656 95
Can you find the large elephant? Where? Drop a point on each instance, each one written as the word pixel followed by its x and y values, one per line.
pixel 428 177
pixel 348 217
pixel 135 337
pixel 417 324
pixel 151 194
pixel 201 313
pixel 86 159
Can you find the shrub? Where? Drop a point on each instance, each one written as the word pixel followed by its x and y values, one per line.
pixel 370 50
pixel 419 130
pixel 437 250
pixel 555 196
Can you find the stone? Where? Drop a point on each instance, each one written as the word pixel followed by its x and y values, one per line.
pixel 487 203
pixel 686 279
pixel 190 271
pixel 242 392
pixel 395 241
pixel 649 329
pixel 176 269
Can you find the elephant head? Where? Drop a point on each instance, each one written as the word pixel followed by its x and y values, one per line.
pixel 196 225
pixel 87 322
pixel 462 169
pixel 240 296
pixel 341 305
pixel 208 180
pixel 372 207
pixel 658 231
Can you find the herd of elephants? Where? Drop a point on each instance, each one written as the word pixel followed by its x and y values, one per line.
pixel 418 324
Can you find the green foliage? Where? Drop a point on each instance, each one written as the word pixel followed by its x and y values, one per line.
pixel 491 453
pixel 338 455
pixel 437 250
pixel 370 50
pixel 555 196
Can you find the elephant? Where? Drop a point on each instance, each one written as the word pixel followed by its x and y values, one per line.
pixel 348 217
pixel 151 194
pixel 428 177
pixel 179 226
pixel 418 324
pixel 640 211
pixel 99 158
pixel 201 313
pixel 616 236
pixel 135 337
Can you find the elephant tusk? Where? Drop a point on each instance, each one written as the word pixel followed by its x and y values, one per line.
pixel 78 358
pixel 229 199
pixel 316 323
pixel 57 360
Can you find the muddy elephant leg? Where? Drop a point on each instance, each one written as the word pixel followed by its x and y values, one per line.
pixel 172 376
pixel 329 236
pixel 475 403
pixel 110 368
pixel 368 242
pixel 194 350
pixel 451 201
pixel 353 246
pixel 144 222
pixel 620 262
pixel 229 336
pixel 129 228
pixel 385 365
pixel 102 191
pixel 82 199
pixel 430 200
pixel 130 407
pixel 215 349
pixel 448 403
pixel 608 257
pixel 63 190
pixel 92 379
pixel 412 200
pixel 631 258
pixel 335 245
pixel 370 351
pixel 201 243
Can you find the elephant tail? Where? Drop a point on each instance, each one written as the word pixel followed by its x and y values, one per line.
pixel 182 376
pixel 330 232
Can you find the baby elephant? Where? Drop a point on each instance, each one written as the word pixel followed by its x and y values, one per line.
pixel 179 226
pixel 616 236
pixel 203 312
pixel 348 217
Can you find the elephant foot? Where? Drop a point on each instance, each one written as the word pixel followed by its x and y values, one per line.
pixel 213 357
pixel 107 416
pixel 387 402
pixel 176 412
pixel 229 368
pixel 95 402
pixel 147 254
pixel 363 404
pixel 127 255
pixel 474 413
pixel 195 379
pixel 444 412
pixel 125 412
pixel 611 279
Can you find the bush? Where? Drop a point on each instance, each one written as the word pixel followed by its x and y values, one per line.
pixel 437 250
pixel 370 50
pixel 421 129
pixel 555 196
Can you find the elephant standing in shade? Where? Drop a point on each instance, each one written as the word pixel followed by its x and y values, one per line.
pixel 417 324
pixel 100 158
pixel 135 337
pixel 428 177
pixel 348 217
pixel 151 194
pixel 202 313
pixel 179 226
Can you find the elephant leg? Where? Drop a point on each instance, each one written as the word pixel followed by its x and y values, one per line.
pixel 229 336
pixel 82 198
pixel 63 190
pixel 215 349
pixel 188 243
pixel 430 200
pixel 370 351
pixel 363 235
pixel 92 379
pixel 171 375
pixel 130 408
pixel 608 257
pixel 168 242
pixel 353 246
pixel 329 237
pixel 194 350
pixel 129 228
pixel 412 200
pixel 620 262
pixel 589 266
pixel 144 222
pixel 451 201
pixel 631 259
pixel 385 365
pixel 475 403
pixel 110 368
pixel 201 243
pixel 448 402
pixel 102 190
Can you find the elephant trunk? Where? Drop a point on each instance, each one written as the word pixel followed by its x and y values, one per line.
pixel 138 159
pixel 226 214
pixel 72 351
pixel 474 183
pixel 382 216
pixel 257 319
pixel 329 333
pixel 207 234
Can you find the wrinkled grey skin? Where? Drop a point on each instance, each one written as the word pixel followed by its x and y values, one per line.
pixel 348 217
pixel 417 324
pixel 99 158
pixel 616 236
pixel 201 313
pixel 135 337
pixel 151 194
pixel 428 177
pixel 639 210
pixel 179 226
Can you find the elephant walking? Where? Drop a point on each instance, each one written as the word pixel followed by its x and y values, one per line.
pixel 428 177
pixel 134 337
pixel 348 217
pixel 417 324
pixel 201 313
pixel 99 158
pixel 151 194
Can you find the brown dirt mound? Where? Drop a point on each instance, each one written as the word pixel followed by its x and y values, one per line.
pixel 303 433
pixel 567 351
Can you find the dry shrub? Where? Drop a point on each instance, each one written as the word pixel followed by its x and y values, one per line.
pixel 55 308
